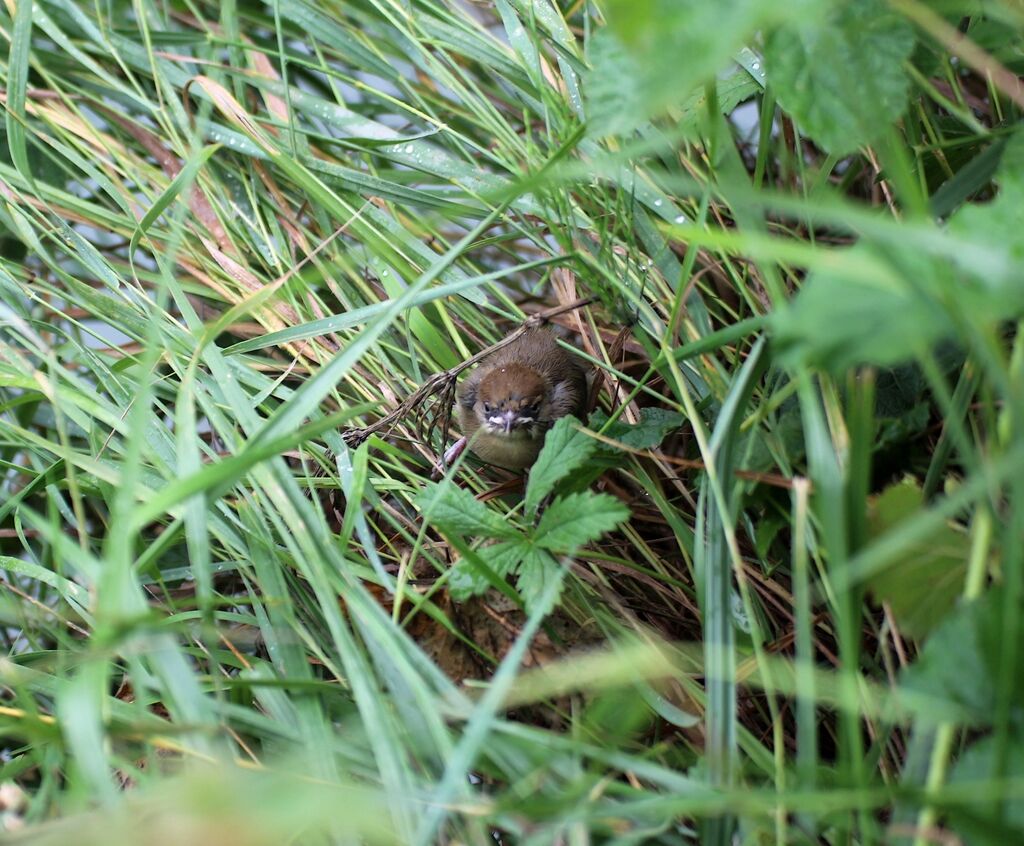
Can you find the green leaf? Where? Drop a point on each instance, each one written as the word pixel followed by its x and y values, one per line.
pixel 565 448
pixel 766 531
pixel 997 225
pixel 902 405
pixel 970 179
pixel 873 315
pixel 454 509
pixel 17 81
pixel 884 306
pixel 637 70
pixel 331 32
pixel 924 584
pixel 79 707
pixel 364 314
pixel 655 423
pixel 960 664
pixel 468 578
pixel 574 520
pixel 71 592
pixel 997 822
pixel 841 76
pixel 537 571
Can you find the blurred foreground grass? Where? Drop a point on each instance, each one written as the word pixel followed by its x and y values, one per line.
pixel 231 233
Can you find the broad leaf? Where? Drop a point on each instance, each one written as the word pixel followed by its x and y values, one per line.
pixel 862 311
pixel 874 304
pixel 655 424
pixel 454 509
pixel 1004 821
pixel 924 584
pixel 841 76
pixel 574 520
pixel 537 571
pixel 565 449
pixel 468 578
pixel 654 54
pixel 961 662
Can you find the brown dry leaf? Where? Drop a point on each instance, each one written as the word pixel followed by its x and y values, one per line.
pixel 233 111
pixel 275 105
pixel 285 314
pixel 287 221
pixel 198 202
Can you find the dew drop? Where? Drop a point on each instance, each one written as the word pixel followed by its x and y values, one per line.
pixel 657 202
pixel 756 65
pixel 409 148
pixel 680 218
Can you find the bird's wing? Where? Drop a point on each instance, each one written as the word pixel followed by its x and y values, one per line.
pixel 468 389
pixel 569 395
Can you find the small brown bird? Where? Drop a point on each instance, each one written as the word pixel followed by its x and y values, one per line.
pixel 510 401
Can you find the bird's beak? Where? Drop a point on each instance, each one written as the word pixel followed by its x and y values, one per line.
pixel 508 420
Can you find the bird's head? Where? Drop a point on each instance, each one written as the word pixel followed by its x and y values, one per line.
pixel 510 399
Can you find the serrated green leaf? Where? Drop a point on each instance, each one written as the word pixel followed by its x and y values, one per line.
pixel 469 579
pixel 454 509
pixel 536 573
pixel 841 76
pixel 565 448
pixel 574 520
pixel 655 423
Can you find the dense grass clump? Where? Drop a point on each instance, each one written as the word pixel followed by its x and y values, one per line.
pixel 769 592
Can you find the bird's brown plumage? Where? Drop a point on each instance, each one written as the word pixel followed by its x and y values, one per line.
pixel 510 401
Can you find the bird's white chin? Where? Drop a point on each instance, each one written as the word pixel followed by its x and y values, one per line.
pixel 523 433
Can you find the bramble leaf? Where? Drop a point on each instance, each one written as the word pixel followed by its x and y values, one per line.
pixel 873 304
pixel 565 449
pixel 574 520
pixel 454 509
pixel 655 423
pixel 960 664
pixel 537 571
pixel 469 579
pixel 637 71
pixel 841 75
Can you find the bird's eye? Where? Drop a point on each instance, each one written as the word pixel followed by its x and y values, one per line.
pixel 487 408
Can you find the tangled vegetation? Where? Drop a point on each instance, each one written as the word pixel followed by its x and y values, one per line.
pixel 769 592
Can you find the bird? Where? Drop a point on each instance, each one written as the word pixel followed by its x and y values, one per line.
pixel 514 396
